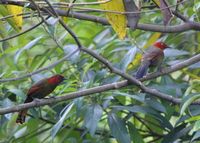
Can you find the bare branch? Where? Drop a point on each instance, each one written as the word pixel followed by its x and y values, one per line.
pixel 147 27
pixel 23 32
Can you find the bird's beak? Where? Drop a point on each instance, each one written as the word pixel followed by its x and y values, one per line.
pixel 169 47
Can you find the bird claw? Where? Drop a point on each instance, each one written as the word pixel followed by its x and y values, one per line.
pixel 144 76
pixel 36 100
pixel 160 69
pixel 50 97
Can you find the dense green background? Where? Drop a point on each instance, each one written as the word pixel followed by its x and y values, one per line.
pixel 126 114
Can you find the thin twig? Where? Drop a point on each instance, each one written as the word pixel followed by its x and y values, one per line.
pixel 23 32
pixel 103 88
pixel 67 5
pixel 111 86
pixel 147 27
pixel 41 69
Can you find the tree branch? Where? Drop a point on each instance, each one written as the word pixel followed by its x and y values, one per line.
pixel 147 27
pixel 100 88
pixel 41 69
pixel 103 88
pixel 104 61
pixel 23 32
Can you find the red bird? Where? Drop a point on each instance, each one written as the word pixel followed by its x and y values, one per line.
pixel 152 57
pixel 39 90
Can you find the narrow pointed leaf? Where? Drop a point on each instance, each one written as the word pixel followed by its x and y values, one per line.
pixel 26 47
pixel 188 102
pixel 129 56
pixel 134 133
pixel 118 128
pixel 59 124
pixel 92 117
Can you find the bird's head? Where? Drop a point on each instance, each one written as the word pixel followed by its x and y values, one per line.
pixel 56 79
pixel 161 45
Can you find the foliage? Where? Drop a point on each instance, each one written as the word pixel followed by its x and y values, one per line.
pixel 121 115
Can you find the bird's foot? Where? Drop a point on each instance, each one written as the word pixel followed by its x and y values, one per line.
pixel 161 69
pixel 50 97
pixel 36 100
pixel 144 76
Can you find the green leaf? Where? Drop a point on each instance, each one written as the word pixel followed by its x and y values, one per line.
pixel 196 126
pixel 188 102
pixel 118 128
pixel 134 133
pixel 4 12
pixel 128 58
pixel 136 109
pixel 147 111
pixel 59 124
pixel 193 118
pixel 156 105
pixel 139 97
pixel 26 47
pixel 196 136
pixel 177 133
pixel 92 117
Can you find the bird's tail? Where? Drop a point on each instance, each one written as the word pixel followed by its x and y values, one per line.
pixel 22 114
pixel 142 70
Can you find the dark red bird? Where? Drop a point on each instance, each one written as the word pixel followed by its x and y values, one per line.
pixel 39 90
pixel 152 57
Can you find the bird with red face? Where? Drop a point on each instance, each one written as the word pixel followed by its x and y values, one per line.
pixel 153 57
pixel 39 90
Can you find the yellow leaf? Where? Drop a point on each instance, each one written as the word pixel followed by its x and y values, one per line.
pixel 15 10
pixel 64 18
pixel 118 21
pixel 152 40
pixel 192 75
pixel 138 57
pixel 157 2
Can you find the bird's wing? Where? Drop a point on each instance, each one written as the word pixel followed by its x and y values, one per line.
pixel 32 90
pixel 152 54
pixel 36 87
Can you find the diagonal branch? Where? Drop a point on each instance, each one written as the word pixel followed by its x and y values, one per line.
pixel 104 88
pixel 104 61
pixel 191 25
pixel 23 32
pixel 146 27
pixel 41 69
